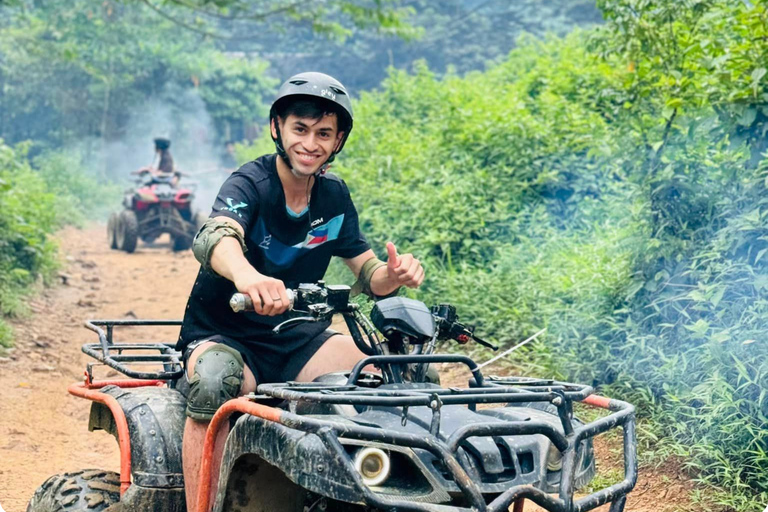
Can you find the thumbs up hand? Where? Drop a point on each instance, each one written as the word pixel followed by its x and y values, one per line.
pixel 403 269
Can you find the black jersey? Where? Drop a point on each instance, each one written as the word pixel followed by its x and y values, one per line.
pixel 294 249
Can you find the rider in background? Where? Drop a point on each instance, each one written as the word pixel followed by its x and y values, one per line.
pixel 276 222
pixel 162 149
pixel 165 170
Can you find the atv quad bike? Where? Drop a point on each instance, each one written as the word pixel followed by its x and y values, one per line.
pixel 358 441
pixel 155 206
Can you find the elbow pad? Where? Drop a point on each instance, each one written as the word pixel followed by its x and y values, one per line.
pixel 209 237
pixel 363 283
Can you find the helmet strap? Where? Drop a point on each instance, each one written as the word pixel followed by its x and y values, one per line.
pixel 279 143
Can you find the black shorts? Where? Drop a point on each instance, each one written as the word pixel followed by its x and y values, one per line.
pixel 281 358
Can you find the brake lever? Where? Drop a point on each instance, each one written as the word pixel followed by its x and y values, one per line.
pixel 467 333
pixel 485 343
pixel 290 321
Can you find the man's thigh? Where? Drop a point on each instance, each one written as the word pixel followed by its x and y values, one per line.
pixel 339 353
pixel 249 380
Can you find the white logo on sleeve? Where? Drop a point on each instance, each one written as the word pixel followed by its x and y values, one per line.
pixel 234 207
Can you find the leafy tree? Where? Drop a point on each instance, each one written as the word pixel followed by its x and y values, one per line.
pixel 76 69
pixel 234 91
pixel 334 18
pixel 461 35
pixel 79 69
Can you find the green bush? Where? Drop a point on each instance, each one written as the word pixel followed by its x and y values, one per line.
pixel 610 186
pixel 27 216
pixel 34 203
pixel 79 194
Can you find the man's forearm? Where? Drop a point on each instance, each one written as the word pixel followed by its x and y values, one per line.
pixel 268 294
pixel 228 259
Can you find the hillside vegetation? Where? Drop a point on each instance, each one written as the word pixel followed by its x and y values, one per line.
pixel 610 186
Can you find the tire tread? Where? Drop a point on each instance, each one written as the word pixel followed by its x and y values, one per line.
pixel 89 490
pixel 128 231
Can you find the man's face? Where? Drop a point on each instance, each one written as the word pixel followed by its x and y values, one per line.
pixel 309 142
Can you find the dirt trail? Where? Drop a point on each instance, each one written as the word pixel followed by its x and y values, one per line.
pixel 43 429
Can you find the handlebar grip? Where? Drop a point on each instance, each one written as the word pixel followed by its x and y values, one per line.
pixel 242 302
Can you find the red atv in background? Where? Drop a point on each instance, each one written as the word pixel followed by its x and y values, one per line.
pixel 155 206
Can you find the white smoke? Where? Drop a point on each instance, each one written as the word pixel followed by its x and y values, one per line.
pixel 181 116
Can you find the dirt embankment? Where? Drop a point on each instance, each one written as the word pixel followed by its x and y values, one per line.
pixel 43 429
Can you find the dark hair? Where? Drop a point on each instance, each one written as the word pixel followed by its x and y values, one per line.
pixel 312 108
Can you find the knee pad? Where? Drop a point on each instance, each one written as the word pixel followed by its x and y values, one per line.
pixel 218 378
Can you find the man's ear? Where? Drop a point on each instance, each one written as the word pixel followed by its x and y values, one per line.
pixel 272 127
pixel 339 138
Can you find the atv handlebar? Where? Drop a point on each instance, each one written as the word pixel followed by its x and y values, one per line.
pixel 242 302
pixel 317 303
pixel 316 300
pixel 320 302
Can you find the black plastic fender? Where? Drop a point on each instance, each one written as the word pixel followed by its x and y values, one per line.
pixel 301 456
pixel 155 419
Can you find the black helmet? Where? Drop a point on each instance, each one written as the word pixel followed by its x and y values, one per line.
pixel 316 85
pixel 162 143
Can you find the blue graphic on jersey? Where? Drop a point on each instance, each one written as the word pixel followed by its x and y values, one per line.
pixel 284 255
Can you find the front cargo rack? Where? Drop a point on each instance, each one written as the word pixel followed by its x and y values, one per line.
pixel 482 390
pixel 125 355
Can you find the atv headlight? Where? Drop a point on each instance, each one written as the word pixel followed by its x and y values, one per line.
pixel 554 458
pixel 373 465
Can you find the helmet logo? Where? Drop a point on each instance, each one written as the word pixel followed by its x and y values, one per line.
pixel 328 93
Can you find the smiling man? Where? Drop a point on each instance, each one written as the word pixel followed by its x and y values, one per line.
pixel 276 222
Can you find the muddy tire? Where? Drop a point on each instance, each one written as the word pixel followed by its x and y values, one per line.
pixel 257 486
pixel 181 243
pixel 112 231
pixel 127 231
pixel 89 490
